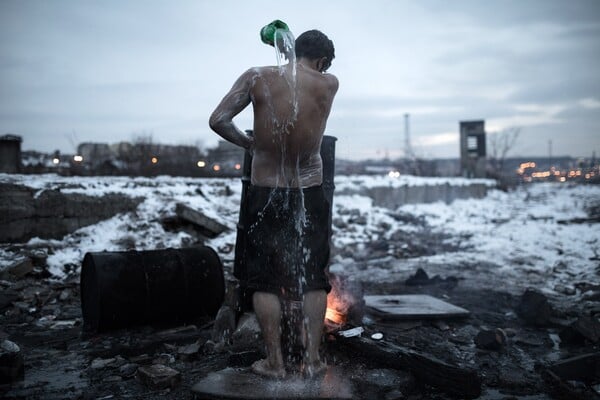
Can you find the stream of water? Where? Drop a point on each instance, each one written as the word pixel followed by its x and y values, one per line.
pixel 294 323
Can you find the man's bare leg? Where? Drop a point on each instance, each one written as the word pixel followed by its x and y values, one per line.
pixel 268 313
pixel 315 304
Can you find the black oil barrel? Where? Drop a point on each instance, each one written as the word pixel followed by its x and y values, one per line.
pixel 122 289
pixel 239 267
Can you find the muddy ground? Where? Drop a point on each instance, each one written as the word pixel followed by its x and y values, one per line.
pixel 62 362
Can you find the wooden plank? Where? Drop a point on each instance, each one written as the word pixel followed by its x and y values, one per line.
pixel 412 306
pixel 462 382
pixel 208 225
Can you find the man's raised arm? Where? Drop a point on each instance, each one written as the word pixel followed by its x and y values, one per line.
pixel 238 98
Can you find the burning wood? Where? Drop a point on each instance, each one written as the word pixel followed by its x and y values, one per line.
pixel 335 316
pixel 345 303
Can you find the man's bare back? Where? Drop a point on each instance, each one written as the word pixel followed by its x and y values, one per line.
pixel 290 114
pixel 287 130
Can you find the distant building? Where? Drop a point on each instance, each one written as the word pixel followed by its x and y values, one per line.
pixel 94 153
pixel 226 158
pixel 10 153
pixel 472 149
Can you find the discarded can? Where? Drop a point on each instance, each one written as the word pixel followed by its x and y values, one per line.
pixel 352 332
pixel 121 289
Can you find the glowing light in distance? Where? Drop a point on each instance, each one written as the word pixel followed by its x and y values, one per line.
pixel 55 161
pixel 201 164
pixel 78 158
pixel 216 167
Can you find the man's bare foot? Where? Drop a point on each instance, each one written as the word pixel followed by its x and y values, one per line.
pixel 312 369
pixel 263 367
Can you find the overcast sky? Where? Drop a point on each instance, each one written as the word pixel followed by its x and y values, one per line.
pixel 107 71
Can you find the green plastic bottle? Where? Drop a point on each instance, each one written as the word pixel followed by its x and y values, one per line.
pixel 267 33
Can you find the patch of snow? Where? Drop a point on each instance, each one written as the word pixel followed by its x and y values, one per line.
pixel 507 239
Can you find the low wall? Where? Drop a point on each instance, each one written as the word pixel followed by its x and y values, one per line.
pixel 52 214
pixel 398 195
pixel 394 197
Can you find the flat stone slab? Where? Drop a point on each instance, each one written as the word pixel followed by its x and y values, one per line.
pixel 233 383
pixel 412 306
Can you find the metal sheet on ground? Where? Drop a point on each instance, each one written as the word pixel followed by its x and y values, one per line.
pixel 231 383
pixel 412 306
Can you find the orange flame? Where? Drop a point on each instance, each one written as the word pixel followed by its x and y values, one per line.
pixel 337 308
pixel 335 316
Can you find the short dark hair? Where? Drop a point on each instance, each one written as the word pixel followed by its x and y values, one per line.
pixel 313 45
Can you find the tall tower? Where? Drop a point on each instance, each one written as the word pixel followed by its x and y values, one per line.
pixel 472 149
pixel 408 153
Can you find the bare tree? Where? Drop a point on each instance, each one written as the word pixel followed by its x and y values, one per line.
pixel 500 144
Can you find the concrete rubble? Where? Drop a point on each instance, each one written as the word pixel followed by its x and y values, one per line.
pixel 42 319
pixel 511 344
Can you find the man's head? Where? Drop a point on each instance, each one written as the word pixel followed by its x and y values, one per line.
pixel 315 45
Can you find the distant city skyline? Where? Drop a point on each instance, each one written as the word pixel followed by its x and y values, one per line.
pixel 106 71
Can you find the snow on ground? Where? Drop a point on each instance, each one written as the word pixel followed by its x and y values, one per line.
pixel 351 181
pixel 509 240
pixel 506 239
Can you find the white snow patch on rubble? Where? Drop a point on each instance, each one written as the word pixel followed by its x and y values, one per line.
pixel 510 237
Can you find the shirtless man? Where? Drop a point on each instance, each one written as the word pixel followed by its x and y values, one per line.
pixel 288 234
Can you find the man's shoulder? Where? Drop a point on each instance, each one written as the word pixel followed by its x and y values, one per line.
pixel 332 81
pixel 254 71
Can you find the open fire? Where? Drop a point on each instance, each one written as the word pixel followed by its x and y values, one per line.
pixel 344 303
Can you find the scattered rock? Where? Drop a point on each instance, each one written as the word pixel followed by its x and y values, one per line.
pixel 566 290
pixel 158 376
pixel 420 278
pixel 205 224
pixel 64 295
pixel 441 325
pixel 247 331
pixel 128 370
pixel 528 341
pixel 339 223
pixel 189 352
pixel 534 308
pixel 209 347
pixel 510 332
pixel 38 257
pixel 490 339
pixel 565 378
pixel 164 358
pixel 584 328
pixel 17 270
pixel 224 324
pixel 12 367
pixel 100 363
pixel 7 297
pixel 587 286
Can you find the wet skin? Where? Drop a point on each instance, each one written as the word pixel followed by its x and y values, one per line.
pixel 288 129
pixel 286 144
